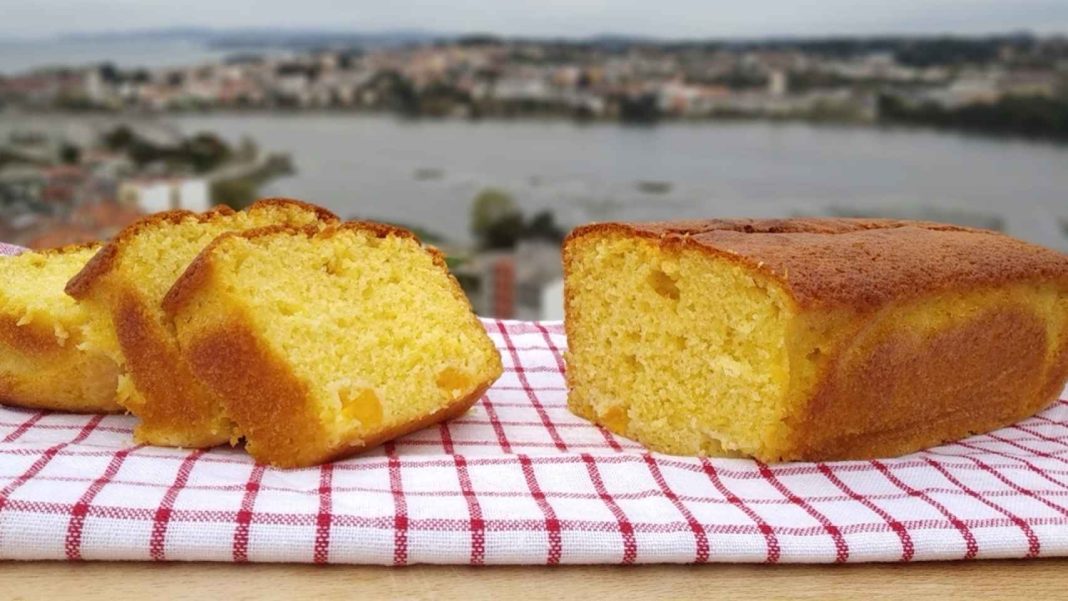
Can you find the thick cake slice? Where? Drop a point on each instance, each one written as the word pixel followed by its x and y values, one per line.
pixel 127 280
pixel 325 343
pixel 43 362
pixel 810 339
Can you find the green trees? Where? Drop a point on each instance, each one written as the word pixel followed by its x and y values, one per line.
pixel 498 223
pixel 70 154
pixel 234 193
pixel 204 152
pixel 119 138
pixel 1035 116
pixel 200 153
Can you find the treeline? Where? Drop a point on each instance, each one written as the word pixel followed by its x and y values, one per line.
pixel 914 51
pixel 200 153
pixel 1031 116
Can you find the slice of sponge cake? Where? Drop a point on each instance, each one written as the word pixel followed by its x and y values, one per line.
pixel 43 361
pixel 127 280
pixel 810 339
pixel 324 343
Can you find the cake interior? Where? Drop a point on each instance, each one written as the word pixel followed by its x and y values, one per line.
pixel 694 353
pixel 150 261
pixel 379 333
pixel 33 290
pixel 680 349
pixel 157 255
pixel 34 308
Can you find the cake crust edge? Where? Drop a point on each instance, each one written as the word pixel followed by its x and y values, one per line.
pixel 243 370
pixel 180 412
pixel 808 441
pixel 975 258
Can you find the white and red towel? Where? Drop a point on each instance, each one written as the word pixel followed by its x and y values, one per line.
pixel 520 480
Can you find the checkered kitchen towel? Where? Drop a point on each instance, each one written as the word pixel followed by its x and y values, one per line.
pixel 521 480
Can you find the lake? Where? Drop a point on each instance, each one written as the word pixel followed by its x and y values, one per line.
pixel 427 172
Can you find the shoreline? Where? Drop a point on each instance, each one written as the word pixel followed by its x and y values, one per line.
pixel 667 121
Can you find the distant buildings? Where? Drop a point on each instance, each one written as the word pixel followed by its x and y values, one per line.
pixel 87 222
pixel 53 191
pixel 516 283
pixel 154 194
pixel 57 205
pixel 833 79
pixel 58 188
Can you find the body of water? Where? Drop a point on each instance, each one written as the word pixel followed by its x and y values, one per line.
pixel 427 172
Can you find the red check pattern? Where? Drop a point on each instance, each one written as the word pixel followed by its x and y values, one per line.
pixel 521 480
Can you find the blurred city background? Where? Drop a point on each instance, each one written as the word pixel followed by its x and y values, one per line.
pixel 493 127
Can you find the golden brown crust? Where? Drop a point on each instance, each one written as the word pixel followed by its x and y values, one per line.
pixel 174 407
pixel 251 382
pixel 890 391
pixel 254 382
pixel 178 398
pixel 104 261
pixel 40 374
pixel 885 387
pixel 324 215
pixel 380 230
pixel 18 393
pixel 453 410
pixel 857 263
pixel 66 249
pixel 39 371
pixel 29 338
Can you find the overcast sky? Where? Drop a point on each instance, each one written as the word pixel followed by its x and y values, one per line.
pixel 661 18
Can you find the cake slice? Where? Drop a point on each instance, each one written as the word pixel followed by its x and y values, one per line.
pixel 127 280
pixel 810 339
pixel 324 343
pixel 43 363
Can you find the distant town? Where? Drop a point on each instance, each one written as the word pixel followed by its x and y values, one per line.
pixel 55 190
pixel 1012 84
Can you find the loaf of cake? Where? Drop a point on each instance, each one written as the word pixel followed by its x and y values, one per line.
pixel 127 280
pixel 810 339
pixel 43 363
pixel 322 343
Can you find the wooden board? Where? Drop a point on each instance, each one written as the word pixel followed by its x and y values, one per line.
pixel 1029 580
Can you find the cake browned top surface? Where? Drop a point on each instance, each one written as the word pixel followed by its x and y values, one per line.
pixel 860 262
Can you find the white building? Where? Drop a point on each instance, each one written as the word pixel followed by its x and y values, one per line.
pixel 152 195
pixel 552 301
pixel 778 83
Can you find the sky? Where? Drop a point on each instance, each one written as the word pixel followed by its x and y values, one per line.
pixel 569 18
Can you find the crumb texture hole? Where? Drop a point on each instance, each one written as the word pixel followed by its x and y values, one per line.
pixel 664 284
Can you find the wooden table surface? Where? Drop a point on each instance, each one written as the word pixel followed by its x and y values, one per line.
pixel 1029 580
